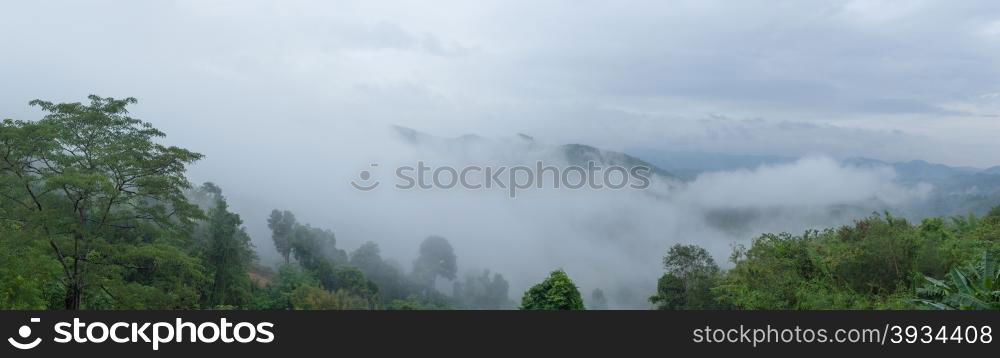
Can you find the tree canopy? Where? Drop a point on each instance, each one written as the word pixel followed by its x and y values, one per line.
pixel 93 182
pixel 557 292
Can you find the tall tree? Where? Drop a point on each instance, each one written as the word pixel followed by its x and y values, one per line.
pixel 228 252
pixel 309 245
pixel 670 293
pixel 686 260
pixel 281 224
pixel 557 292
pixel 88 177
pixel 687 284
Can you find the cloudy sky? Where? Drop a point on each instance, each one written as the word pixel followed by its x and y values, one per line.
pixel 885 79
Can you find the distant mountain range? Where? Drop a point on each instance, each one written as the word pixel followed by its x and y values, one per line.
pixel 574 154
pixel 991 170
pixel 687 164
pixel 691 163
pixel 956 190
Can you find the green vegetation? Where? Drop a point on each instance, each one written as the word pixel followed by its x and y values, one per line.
pixel 557 292
pixel 109 201
pixel 880 262
pixel 691 275
pixel 96 213
pixel 976 286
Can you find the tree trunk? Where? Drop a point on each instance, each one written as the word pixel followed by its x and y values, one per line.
pixel 74 286
pixel 73 295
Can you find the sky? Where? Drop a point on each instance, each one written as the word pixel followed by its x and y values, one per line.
pixel 891 80
pixel 289 99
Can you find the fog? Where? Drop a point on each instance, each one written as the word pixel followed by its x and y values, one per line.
pixel 604 238
pixel 290 100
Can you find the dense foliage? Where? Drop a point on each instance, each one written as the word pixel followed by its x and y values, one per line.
pixel 976 286
pixel 92 184
pixel 880 262
pixel 557 292
pixel 687 284
pixel 95 213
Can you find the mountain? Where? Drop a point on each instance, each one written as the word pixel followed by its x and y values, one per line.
pixel 688 164
pixel 574 154
pixel 991 170
pixel 706 161
pixel 580 154
pixel 955 190
pixel 915 171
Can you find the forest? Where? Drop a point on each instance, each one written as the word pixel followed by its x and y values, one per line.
pixel 97 213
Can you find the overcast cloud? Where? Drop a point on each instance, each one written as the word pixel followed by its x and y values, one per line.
pixel 607 73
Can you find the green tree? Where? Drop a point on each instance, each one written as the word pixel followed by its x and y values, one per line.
pixel 557 292
pixel 876 263
pixel 691 276
pixel 309 241
pixel 229 253
pixel 281 224
pixel 316 251
pixel 28 272
pixel 391 282
pixel 308 245
pixel 994 213
pixel 150 276
pixel 90 179
pixel 689 260
pixel 352 280
pixel 670 293
pixel 989 228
